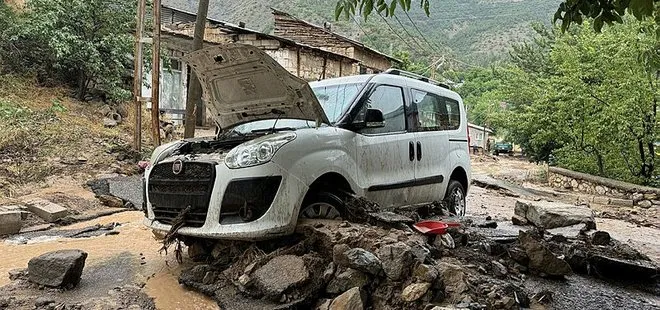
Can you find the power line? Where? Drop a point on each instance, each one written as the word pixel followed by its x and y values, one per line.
pixel 408 33
pixel 397 34
pixel 420 32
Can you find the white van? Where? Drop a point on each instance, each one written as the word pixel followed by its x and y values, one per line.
pixel 287 149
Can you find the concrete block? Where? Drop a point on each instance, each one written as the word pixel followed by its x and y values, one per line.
pixel 621 202
pixel 601 200
pixel 46 210
pixel 10 222
pixel 16 208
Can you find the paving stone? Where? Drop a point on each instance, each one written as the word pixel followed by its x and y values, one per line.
pixel 47 210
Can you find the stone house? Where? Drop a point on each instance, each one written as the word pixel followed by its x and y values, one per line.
pixel 370 60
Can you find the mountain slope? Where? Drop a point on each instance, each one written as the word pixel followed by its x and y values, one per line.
pixel 474 31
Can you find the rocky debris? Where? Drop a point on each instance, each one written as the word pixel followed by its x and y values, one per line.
pixel 645 204
pixel 46 210
pixel 396 260
pixel 415 291
pixel 425 273
pixel 36 228
pixel 10 222
pixel 548 215
pixel 61 268
pixel 280 274
pixel 488 224
pixel 499 269
pixel 347 280
pixel 360 259
pixel 453 279
pixel 350 300
pixel 16 208
pixel 541 259
pixel 391 218
pixel 601 238
pixel 109 123
pixel 519 220
pixel 111 201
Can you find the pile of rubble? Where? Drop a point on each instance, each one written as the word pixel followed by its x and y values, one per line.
pixel 343 265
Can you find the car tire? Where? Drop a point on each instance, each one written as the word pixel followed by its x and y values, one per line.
pixel 323 205
pixel 455 198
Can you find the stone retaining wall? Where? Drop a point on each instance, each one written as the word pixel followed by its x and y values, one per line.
pixel 607 191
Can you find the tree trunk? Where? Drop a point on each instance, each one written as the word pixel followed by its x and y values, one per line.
pixel 194 88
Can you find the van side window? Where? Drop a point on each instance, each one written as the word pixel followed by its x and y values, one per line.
pixel 389 100
pixel 430 112
pixel 454 113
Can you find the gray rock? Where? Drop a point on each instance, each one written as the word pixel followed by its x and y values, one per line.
pixel 279 274
pixel 61 268
pixel 453 280
pixel 391 218
pixel 362 260
pixel 415 291
pixel 349 300
pixel 111 201
pixel 601 238
pixel 347 280
pixel 329 272
pixel 10 222
pixel 44 301
pixel 425 273
pixel 420 251
pixel 444 241
pixel 338 256
pixel 499 269
pixel 108 122
pixel 548 215
pixel 645 204
pixel 396 260
pixel 323 304
pixel 519 220
pixel 541 259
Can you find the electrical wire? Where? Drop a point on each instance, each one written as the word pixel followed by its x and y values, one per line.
pixel 420 32
pixel 410 35
pixel 396 33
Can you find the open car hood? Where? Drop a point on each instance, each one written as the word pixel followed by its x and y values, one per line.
pixel 241 83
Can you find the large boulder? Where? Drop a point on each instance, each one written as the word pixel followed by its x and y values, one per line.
pixel 541 259
pixel 346 280
pixel 358 258
pixel 548 214
pixel 61 268
pixel 279 274
pixel 452 278
pixel 350 300
pixel 396 260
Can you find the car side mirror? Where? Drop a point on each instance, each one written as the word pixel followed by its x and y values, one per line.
pixel 374 119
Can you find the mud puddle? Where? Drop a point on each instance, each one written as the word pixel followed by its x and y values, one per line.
pixel 130 256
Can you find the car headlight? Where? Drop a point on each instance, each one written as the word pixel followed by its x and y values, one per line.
pixel 257 151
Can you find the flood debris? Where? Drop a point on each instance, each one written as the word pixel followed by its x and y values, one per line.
pixel 61 268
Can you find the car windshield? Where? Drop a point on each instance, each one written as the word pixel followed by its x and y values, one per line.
pixel 270 124
pixel 335 99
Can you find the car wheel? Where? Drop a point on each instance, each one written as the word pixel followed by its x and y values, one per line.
pixel 455 198
pixel 323 205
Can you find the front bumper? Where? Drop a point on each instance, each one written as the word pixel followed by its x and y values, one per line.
pixel 278 219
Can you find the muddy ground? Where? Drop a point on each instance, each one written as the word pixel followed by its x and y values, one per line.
pixel 125 269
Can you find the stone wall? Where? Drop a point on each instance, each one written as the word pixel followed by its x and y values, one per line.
pixel 606 191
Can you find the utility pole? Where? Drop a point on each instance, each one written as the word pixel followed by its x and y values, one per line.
pixel 137 76
pixel 155 76
pixel 194 88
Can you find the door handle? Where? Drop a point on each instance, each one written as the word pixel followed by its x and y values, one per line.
pixel 419 151
pixel 411 151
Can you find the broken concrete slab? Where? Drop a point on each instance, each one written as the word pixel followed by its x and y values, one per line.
pixel 61 268
pixel 16 208
pixel 625 269
pixel 360 259
pixel 10 222
pixel 621 202
pixel 280 273
pixel 549 215
pixel 36 228
pixel 391 218
pixel 46 210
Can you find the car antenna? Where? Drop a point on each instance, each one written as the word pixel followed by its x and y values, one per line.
pixel 279 114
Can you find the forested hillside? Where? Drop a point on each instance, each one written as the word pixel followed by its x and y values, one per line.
pixel 474 31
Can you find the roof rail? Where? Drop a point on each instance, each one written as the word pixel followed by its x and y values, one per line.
pixel 415 77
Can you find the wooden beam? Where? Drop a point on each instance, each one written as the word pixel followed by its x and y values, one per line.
pixel 137 76
pixel 155 76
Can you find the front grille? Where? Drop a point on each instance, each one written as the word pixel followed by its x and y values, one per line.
pixel 171 193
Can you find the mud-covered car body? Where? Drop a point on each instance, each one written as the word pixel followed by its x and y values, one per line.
pixel 279 147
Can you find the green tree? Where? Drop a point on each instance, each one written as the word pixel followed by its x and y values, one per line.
pixel 84 43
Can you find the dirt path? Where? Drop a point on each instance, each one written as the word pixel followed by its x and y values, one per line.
pixel 134 247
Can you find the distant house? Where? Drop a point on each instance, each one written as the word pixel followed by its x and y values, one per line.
pixel 370 60
pixel 479 135
pixel 305 61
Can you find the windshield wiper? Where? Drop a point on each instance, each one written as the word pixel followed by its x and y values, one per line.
pixel 273 129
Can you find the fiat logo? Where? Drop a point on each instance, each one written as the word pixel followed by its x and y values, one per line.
pixel 177 166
